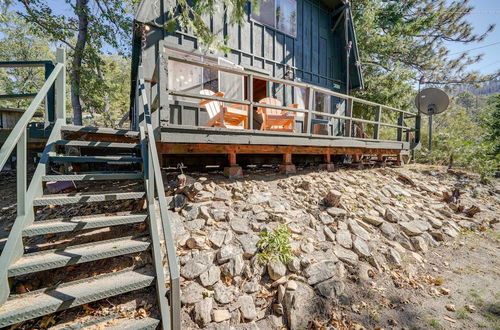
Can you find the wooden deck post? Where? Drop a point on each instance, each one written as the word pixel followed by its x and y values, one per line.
pixel 233 171
pixel 287 166
pixel 348 122
pixel 327 164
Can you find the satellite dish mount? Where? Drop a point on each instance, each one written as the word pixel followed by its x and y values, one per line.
pixel 431 101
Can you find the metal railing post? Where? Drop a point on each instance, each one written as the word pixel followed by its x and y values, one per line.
pixel 378 116
pixel 60 87
pixel 21 174
pixel 250 98
pixel 310 104
pixel 348 113
pixel 400 123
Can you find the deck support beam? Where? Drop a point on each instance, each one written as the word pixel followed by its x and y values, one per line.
pixel 233 171
pixel 327 165
pixel 287 166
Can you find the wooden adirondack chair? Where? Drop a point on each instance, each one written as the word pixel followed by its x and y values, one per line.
pixel 274 119
pixel 224 116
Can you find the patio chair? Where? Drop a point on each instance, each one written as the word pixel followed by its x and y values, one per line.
pixel 224 116
pixel 275 119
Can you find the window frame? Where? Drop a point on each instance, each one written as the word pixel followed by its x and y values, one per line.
pixel 275 27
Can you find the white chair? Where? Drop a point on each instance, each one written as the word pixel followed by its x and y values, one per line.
pixel 224 116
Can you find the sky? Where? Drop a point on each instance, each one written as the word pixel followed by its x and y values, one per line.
pixel 485 12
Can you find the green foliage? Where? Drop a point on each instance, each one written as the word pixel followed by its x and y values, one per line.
pixel 275 245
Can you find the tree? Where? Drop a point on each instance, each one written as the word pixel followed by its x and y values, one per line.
pixel 401 41
pixel 96 24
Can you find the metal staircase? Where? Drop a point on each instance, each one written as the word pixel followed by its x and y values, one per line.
pixel 140 157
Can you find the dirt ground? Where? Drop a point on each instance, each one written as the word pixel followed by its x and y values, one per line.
pixel 455 286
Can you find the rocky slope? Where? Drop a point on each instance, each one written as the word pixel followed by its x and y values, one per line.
pixel 344 226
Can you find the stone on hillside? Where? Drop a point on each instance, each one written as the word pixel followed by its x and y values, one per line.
pixel 249 244
pixel 320 271
pixel 217 238
pixel 329 234
pixel 276 207
pixel 302 306
pixel 430 240
pixel 239 225
pixel 346 256
pixel 336 212
pixel 178 202
pixel 291 285
pixel 373 220
pixel 276 269
pixel 196 242
pixel 203 196
pixel 344 238
pixel 388 230
pixel 218 214
pixel 247 307
pixel 195 225
pixel 222 195
pixel 227 252
pixel 192 293
pixel 392 216
pixel 197 265
pixel 360 247
pixel 203 311
pixel 191 212
pixel 204 213
pixel 413 228
pixel 437 235
pixel 393 257
pixel 223 294
pixel 220 315
pixel 330 289
pixel 325 218
pixel 234 267
pixel 448 230
pixel 420 243
pixel 332 199
pixel 357 230
pixel 294 265
pixel 210 276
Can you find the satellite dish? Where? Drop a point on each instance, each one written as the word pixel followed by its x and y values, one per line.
pixel 432 101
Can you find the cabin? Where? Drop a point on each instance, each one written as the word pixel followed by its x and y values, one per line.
pixel 281 88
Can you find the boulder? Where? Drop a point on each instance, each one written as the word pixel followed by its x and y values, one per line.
pixel 192 293
pixel 276 269
pixel 343 237
pixel 247 307
pixel 373 220
pixel 210 276
pixel 346 256
pixel 320 271
pixel 388 230
pixel 197 265
pixel 249 244
pixel 360 247
pixel 413 228
pixel 357 230
pixel 202 311
pixel 302 306
pixel 223 294
pixel 391 215
pixel 331 289
pixel 336 212
pixel 239 225
pixel 227 252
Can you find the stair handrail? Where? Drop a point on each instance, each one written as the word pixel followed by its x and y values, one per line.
pixel 18 138
pixel 154 179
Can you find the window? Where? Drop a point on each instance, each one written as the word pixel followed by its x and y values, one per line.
pixel 278 14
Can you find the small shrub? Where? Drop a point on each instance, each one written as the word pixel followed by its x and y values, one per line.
pixel 435 324
pixel 275 245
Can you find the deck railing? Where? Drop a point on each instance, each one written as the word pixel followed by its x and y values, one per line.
pixel 170 313
pixel 349 119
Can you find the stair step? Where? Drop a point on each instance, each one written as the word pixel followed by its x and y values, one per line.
pixel 100 130
pixel 43 302
pixel 81 223
pixel 98 144
pixel 50 259
pixel 147 323
pixel 114 321
pixel 95 159
pixel 94 176
pixel 86 197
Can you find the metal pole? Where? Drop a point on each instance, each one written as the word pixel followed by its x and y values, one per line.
pixel 430 131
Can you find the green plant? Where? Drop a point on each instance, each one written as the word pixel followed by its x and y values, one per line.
pixel 462 314
pixel 435 324
pixel 275 245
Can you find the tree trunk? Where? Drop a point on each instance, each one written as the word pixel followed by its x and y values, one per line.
pixel 81 10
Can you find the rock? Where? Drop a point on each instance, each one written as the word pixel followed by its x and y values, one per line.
pixel 393 257
pixel 357 230
pixel 227 252
pixel 204 213
pixel 360 247
pixel 223 294
pixel 330 289
pixel 234 267
pixel 373 220
pixel 472 308
pixel 320 271
pixel 437 235
pixel 178 202
pixel 252 286
pixel 325 218
pixel 346 256
pixel 196 242
pixel 197 265
pixel 202 311
pixel 336 212
pixel 211 276
pixel 217 237
pixel 444 291
pixel 291 285
pixel 195 225
pixel 388 230
pixel 413 228
pixel 343 237
pixel 222 195
pixel 203 196
pixel 192 293
pixel 332 199
pixel 391 215
pixel 294 265
pixel 191 212
pixel 239 225
pixel 329 234
pixel 448 230
pixel 278 309
pixel 420 243
pixel 450 307
pixel 435 223
pixel 302 306
pixel 249 244
pixel 276 269
pixel 220 315
pixel 247 307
